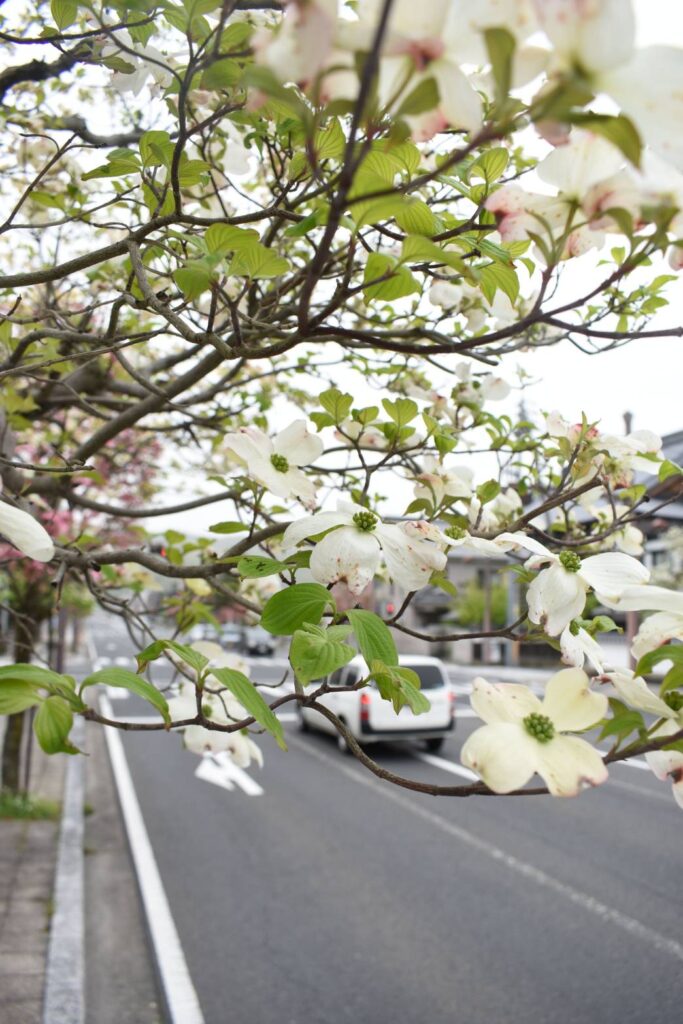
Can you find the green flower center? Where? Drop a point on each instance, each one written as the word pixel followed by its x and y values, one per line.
pixel 207 710
pixel 365 521
pixel 570 561
pixel 456 532
pixel 574 627
pixel 279 462
pixel 539 726
pixel 674 700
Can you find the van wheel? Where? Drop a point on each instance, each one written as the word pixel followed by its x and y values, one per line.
pixel 434 745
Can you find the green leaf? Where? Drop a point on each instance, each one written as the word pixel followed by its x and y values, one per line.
pixel 423 97
pixel 156 149
pixel 498 277
pixel 52 726
pixel 374 637
pixel 399 282
pixel 252 701
pixel 32 674
pixel 194 278
pixel 64 12
pixel 16 696
pixel 372 211
pixel 336 403
pixel 415 217
pixel 402 411
pixel 257 261
pixel 315 653
pixel 492 164
pixel 254 567
pixel 619 130
pixel 401 686
pixel 670 652
pixel 287 610
pixel 122 678
pixel 488 491
pixel 500 45
pixel 673 680
pixel 231 527
pixel 668 469
pixel 225 238
pixel 186 653
pixel 330 142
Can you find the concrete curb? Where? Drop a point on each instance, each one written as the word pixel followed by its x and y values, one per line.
pixel 64 993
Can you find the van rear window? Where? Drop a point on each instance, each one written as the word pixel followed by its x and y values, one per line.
pixel 431 677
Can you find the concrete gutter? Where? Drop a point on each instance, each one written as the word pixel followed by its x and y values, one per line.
pixel 64 996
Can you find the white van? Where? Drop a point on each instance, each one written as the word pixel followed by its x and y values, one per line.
pixel 371 719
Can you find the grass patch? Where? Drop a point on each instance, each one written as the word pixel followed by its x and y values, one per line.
pixel 25 806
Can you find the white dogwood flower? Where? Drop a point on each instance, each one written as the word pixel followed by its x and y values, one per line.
pixel 634 691
pixel 356 541
pixel 436 482
pixel 145 61
pixel 668 764
pixel 658 629
pixel 25 533
pixel 275 464
pixel 577 645
pixel 558 594
pixel 524 735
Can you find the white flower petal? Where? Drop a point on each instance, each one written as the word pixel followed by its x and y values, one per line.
pixel 554 598
pixel 635 692
pixel 611 573
pixel 311 526
pixel 347 554
pixel 570 703
pixel 200 740
pixel 297 444
pixel 503 755
pixel 641 599
pixel 656 630
pixel 25 533
pixel 596 34
pixel 577 647
pixel 410 560
pixel 502 702
pixel 566 762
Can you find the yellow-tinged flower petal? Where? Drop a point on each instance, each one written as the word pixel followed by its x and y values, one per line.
pixel 570 703
pixel 504 755
pixel 502 702
pixel 567 762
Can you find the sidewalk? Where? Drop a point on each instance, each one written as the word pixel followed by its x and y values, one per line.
pixel 119 978
pixel 28 852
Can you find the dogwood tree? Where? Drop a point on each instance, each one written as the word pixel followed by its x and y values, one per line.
pixel 291 242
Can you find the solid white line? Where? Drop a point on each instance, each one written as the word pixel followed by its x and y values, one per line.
pixel 446 766
pixel 532 874
pixel 180 994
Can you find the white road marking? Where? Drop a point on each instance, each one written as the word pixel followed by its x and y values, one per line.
pixel 207 771
pixel 446 766
pixel 222 771
pixel 528 871
pixel 180 994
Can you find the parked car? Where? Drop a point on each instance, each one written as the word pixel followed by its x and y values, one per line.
pixel 371 719
pixel 232 639
pixel 258 642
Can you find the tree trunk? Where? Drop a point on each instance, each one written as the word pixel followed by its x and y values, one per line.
pixel 24 635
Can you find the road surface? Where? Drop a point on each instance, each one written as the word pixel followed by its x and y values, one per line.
pixel 312 893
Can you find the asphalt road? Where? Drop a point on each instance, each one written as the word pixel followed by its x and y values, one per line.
pixel 333 897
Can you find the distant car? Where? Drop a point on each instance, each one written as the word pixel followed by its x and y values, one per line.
pixel 371 719
pixel 231 638
pixel 203 631
pixel 258 642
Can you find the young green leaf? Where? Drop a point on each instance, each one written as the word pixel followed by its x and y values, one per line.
pixel 314 655
pixel 252 701
pixel 287 610
pixel 374 637
pixel 52 726
pixel 126 680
